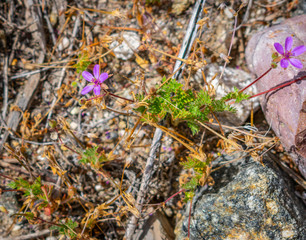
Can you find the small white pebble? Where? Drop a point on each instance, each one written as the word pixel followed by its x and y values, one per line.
pixel 98 188
pixel 73 125
pixel 75 110
pixel 16 228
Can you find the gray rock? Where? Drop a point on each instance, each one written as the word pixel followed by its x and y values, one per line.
pixel 231 78
pixel 156 227
pixel 130 42
pixel 283 108
pixel 249 201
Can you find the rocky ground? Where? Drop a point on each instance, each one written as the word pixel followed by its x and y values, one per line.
pixel 92 156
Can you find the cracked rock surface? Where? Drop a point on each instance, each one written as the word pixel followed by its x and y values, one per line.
pixel 250 200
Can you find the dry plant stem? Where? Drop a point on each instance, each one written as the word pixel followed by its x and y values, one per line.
pixel 26 74
pixel 5 87
pixel 63 72
pixel 190 36
pixel 230 48
pixel 233 36
pixel 183 54
pixel 50 28
pixel 241 131
pixel 116 96
pixel 2 175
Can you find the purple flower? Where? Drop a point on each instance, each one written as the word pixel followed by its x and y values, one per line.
pixel 95 80
pixel 288 54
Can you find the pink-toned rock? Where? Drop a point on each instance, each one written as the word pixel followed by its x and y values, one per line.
pixel 284 109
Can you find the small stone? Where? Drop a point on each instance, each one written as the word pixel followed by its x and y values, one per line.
pixel 16 228
pixel 98 188
pixel 41 158
pixel 73 125
pixel 54 136
pixel 15 143
pixel 122 125
pixel 51 238
pixel 64 44
pixel 169 212
pixel 228 13
pixel 130 43
pixel 75 110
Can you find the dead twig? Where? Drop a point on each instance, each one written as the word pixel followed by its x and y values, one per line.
pixel 63 72
pixel 5 86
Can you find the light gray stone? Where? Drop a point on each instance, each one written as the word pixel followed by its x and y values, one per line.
pixel 130 43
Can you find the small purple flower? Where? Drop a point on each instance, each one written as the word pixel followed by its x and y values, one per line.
pixel 95 80
pixel 288 54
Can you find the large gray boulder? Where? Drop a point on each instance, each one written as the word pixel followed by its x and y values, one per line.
pixel 250 200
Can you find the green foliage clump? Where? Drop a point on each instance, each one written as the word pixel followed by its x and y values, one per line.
pixel 239 96
pixel 81 65
pixel 182 105
pixel 29 189
pixel 83 62
pixel 199 168
pixel 93 156
pixel 67 229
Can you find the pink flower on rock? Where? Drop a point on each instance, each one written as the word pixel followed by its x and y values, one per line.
pixel 288 53
pixel 95 80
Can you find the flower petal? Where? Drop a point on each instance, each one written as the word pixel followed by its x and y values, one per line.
pixel 97 90
pixel 87 89
pixel 103 77
pixel 284 63
pixel 298 50
pixel 288 44
pixel 96 71
pixel 279 48
pixel 296 63
pixel 87 75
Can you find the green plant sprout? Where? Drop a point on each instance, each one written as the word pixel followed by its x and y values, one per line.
pixel 38 196
pixel 67 228
pixel 31 190
pixel 200 175
pixel 184 105
pixel 93 156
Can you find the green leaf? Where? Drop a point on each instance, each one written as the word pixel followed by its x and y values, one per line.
pixel 239 96
pixel 67 229
pixel 28 188
pixel 82 63
pixel 192 184
pixel 184 105
pixel 74 84
pixel 92 156
pixel 194 127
